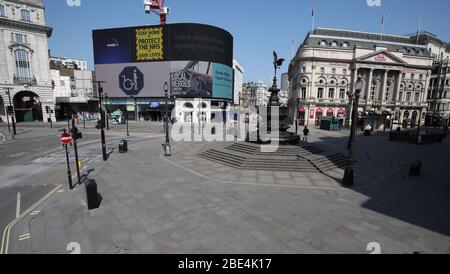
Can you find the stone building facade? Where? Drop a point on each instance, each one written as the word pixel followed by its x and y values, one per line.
pixel 396 71
pixel 24 61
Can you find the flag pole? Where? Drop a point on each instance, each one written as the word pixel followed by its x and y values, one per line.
pixel 382 28
pixel 313 18
pixel 418 30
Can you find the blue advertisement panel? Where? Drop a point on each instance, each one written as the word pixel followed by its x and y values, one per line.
pixel 222 81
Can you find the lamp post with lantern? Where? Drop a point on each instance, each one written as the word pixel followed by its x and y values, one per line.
pixel 348 179
pixel 167 148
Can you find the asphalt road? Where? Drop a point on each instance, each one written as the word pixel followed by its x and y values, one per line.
pixel 9 206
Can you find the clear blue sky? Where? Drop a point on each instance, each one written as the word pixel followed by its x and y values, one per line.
pixel 258 26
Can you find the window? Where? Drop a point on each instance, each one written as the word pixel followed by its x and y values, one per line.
pixel 25 15
pixel 333 70
pixel 2 10
pixel 412 75
pixel 303 95
pixel 320 93
pixel 408 97
pixel 19 38
pixel 342 94
pixel 303 69
pixel 323 43
pixel 334 44
pixel 400 96
pixel 331 93
pixel 345 45
pixel 344 71
pixel 388 91
pixel 403 75
pixel 372 92
pixel 416 97
pixel 322 70
pixel 420 76
pixel 447 82
pixel 22 65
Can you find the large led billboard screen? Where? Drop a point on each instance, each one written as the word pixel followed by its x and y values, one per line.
pixel 196 60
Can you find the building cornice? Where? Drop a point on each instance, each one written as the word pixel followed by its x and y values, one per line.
pixel 356 62
pixel 28 3
pixel 26 26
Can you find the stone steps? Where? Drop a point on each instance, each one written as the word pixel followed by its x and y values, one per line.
pixel 330 162
pixel 223 158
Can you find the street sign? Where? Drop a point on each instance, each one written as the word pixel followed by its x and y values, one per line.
pixel 66 138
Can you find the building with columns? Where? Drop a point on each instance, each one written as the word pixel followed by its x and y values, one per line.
pixel 24 61
pixel 396 71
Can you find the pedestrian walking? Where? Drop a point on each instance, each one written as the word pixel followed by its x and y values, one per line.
pixel 305 134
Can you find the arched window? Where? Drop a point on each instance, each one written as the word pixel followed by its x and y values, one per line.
pixel 188 105
pixel 345 45
pixel 25 15
pixel 202 105
pixel 23 70
pixel 2 10
pixel 420 52
pixel 334 44
pixel 323 43
pixel 412 51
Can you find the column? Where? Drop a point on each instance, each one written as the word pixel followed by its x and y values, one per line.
pixel 369 85
pixel 396 98
pixel 383 87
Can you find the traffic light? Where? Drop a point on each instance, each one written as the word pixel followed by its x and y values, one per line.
pixel 100 124
pixel 10 110
pixel 76 134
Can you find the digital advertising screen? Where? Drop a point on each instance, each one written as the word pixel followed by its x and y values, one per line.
pixel 196 60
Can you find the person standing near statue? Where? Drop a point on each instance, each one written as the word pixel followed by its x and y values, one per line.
pixel 305 134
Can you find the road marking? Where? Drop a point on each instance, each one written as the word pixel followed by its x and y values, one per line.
pixel 24 237
pixel 60 191
pixel 34 213
pixel 5 238
pixel 18 205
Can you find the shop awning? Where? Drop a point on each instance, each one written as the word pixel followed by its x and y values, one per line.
pixel 301 110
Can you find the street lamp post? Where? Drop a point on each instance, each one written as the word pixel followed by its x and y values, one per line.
pixel 7 120
pixel 106 110
pixel 102 119
pixel 348 179
pixel 296 116
pixel 167 148
pixel 350 113
pixel 13 116
pixel 128 129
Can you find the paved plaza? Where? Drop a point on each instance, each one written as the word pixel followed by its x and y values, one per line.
pixel 185 204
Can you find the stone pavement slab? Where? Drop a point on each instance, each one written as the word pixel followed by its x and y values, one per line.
pixel 154 206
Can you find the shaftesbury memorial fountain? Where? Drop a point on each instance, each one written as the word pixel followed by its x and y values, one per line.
pixel 278 135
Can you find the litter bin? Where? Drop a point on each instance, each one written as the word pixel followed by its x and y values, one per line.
pixel 93 197
pixel 123 146
pixel 415 168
